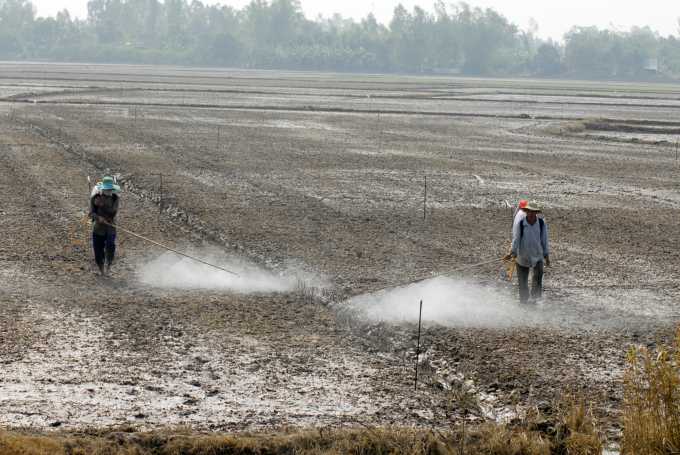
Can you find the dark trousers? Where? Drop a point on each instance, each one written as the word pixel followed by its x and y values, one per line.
pixel 536 282
pixel 104 247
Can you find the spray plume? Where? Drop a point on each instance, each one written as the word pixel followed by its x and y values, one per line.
pixel 170 271
pixel 448 302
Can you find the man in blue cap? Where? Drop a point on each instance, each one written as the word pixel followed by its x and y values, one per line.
pixel 103 210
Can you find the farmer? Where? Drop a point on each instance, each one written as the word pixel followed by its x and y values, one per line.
pixel 530 249
pixel 103 209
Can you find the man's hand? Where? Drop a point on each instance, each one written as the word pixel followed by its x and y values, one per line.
pixel 546 260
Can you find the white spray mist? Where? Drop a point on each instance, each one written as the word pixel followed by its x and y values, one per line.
pixel 448 302
pixel 170 271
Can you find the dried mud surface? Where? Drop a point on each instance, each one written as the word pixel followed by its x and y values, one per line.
pixel 303 170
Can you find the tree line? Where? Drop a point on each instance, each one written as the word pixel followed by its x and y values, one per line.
pixel 452 38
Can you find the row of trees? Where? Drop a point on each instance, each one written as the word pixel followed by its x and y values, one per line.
pixel 276 34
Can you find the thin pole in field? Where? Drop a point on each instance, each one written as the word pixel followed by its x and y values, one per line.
pixel 425 200
pixel 527 150
pixel 380 134
pixel 420 322
pixel 160 191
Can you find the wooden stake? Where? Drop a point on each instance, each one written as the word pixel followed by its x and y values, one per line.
pixel 420 321
pixel 379 134
pixel 160 202
pixel 425 201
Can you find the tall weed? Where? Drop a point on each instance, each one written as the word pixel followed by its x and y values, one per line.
pixel 651 412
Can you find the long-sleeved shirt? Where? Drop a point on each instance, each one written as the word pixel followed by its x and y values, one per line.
pixel 532 245
pixel 107 208
pixel 519 216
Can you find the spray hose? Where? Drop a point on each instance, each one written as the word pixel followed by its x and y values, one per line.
pixel 459 269
pixel 448 272
pixel 134 234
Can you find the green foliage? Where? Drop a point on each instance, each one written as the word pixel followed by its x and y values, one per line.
pixel 487 39
pixel 276 34
pixel 669 55
pixel 548 60
pixel 590 51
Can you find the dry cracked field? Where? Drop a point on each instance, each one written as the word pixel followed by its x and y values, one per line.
pixel 318 180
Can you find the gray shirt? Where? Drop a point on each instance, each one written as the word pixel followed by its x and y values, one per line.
pixel 532 246
pixel 519 216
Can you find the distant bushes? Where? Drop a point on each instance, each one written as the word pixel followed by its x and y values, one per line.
pixel 454 38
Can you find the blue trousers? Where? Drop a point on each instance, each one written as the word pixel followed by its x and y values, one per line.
pixel 104 247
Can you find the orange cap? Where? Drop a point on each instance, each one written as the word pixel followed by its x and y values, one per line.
pixel 523 203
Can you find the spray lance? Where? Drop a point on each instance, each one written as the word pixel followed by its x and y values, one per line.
pixel 448 272
pixel 153 242
pixel 146 239
pixel 506 272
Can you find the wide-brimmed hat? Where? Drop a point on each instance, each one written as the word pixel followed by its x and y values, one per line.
pixel 533 206
pixel 108 183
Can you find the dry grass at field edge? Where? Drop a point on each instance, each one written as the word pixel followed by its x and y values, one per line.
pixel 573 433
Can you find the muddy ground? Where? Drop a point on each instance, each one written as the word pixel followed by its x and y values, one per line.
pixel 324 174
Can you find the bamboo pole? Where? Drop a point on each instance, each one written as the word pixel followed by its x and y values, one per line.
pixel 134 234
pixel 447 272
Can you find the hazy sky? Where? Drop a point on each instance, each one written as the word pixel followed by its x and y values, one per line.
pixel 553 17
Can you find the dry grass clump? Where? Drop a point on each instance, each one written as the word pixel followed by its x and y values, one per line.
pixel 577 432
pixel 17 444
pixel 487 439
pixel 572 432
pixel 500 440
pixel 369 441
pixel 651 412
